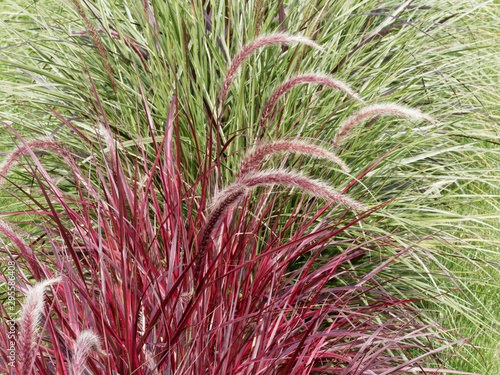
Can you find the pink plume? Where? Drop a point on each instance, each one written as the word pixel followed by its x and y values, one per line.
pixel 31 312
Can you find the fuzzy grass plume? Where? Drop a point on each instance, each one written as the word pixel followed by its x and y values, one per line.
pixel 317 78
pixel 252 161
pixel 31 313
pixel 26 251
pixel 86 342
pixel 45 144
pixel 387 109
pixel 248 49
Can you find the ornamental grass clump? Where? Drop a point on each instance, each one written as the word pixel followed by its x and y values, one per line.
pixel 181 252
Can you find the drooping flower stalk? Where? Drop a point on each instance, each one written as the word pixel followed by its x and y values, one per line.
pixel 297 180
pixel 86 342
pixel 263 41
pixel 225 200
pixel 31 312
pixel 249 181
pixel 306 78
pixel 44 144
pixel 26 252
pixel 37 144
pixel 378 110
pixel 252 160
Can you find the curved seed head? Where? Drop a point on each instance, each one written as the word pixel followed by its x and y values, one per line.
pixel 31 312
pixel 261 41
pixel 251 161
pixel 86 342
pixel 378 110
pixel 317 78
pixel 297 180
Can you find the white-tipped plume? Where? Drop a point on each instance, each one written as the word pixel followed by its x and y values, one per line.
pixel 262 41
pixel 31 312
pixel 317 78
pixel 252 160
pixel 85 343
pixel 297 180
pixel 378 110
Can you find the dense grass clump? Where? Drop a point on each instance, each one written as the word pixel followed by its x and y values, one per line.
pixel 250 187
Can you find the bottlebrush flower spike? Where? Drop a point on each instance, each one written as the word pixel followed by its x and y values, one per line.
pixel 225 200
pixel 26 252
pixel 47 145
pixel 262 41
pixel 378 110
pixel 37 144
pixel 306 78
pixel 30 316
pixel 297 180
pixel 232 194
pixel 86 342
pixel 251 161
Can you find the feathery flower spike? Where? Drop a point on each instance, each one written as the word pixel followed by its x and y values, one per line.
pixel 225 200
pixel 252 160
pixel 39 144
pixel 31 312
pixel 26 252
pixel 378 110
pixel 297 180
pixel 86 342
pixel 262 41
pixel 305 78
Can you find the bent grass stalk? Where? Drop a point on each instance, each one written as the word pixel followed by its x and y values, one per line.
pixel 317 78
pixel 378 110
pixel 247 50
pixel 252 161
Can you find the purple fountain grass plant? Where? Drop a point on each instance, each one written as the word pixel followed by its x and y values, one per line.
pixel 317 78
pixel 31 313
pixel 250 311
pixel 280 292
pixel 252 161
pixel 86 342
pixel 247 50
pixel 378 110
